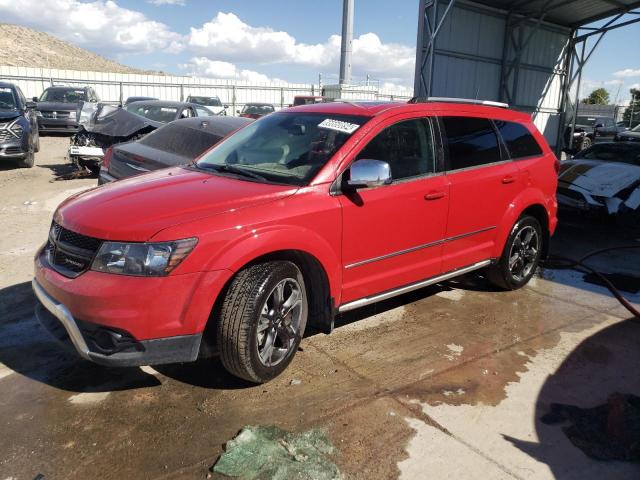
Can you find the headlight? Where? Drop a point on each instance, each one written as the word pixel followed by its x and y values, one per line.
pixel 142 259
pixel 38 113
pixel 15 129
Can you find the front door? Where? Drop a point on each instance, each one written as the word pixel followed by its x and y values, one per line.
pixel 392 235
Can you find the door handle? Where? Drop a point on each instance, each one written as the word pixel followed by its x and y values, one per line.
pixel 508 179
pixel 434 195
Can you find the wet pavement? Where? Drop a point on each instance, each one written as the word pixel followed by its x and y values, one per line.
pixel 447 382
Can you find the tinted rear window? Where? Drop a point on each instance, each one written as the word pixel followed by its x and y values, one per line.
pixel 518 139
pixel 471 142
pixel 180 140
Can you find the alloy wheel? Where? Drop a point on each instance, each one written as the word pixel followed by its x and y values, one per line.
pixel 279 322
pixel 523 255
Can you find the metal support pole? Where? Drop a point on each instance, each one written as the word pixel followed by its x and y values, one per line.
pixel 281 97
pixel 577 97
pixel 233 98
pixel 121 95
pixel 181 93
pixel 567 66
pixel 347 42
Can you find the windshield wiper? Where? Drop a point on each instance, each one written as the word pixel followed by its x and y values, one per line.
pixel 231 169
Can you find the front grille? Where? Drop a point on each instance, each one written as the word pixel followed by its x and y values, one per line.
pixel 70 253
pixel 6 134
pixel 12 150
pixel 54 114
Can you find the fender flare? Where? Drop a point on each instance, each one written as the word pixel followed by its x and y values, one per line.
pixel 526 199
pixel 272 239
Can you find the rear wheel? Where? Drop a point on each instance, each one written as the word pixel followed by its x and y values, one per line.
pixel 262 320
pixel 520 256
pixel 586 143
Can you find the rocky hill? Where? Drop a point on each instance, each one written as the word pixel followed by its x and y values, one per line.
pixel 25 47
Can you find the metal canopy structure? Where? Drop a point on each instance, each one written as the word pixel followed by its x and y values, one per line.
pixel 568 13
pixel 528 53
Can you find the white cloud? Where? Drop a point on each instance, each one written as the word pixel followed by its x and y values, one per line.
pixel 226 37
pixel 168 2
pixel 204 67
pixel 628 73
pixel 101 24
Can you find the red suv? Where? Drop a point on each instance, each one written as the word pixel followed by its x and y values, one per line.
pixel 305 213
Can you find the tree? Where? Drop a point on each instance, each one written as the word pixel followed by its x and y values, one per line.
pixel 634 109
pixel 599 96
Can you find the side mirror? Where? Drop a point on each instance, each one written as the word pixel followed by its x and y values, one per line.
pixel 369 173
pixel 225 106
pixel 35 99
pixel 30 105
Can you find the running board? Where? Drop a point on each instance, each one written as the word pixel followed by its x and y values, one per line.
pixel 411 287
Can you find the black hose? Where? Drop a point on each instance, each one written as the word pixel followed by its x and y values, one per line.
pixel 563 263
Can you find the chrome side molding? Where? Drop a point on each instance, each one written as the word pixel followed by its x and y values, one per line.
pixel 411 287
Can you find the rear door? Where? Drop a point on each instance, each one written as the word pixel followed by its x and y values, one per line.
pixel 483 182
pixel 392 234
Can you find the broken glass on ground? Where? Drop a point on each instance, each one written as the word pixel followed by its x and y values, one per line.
pixel 268 452
pixel 606 432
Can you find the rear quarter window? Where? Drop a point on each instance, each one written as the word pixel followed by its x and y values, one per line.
pixel 518 139
pixel 470 141
pixel 180 140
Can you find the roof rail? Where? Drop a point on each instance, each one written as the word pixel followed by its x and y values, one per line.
pixel 488 103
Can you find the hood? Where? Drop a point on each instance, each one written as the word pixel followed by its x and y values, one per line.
pixel 113 121
pixel 137 208
pixel 601 179
pixel 57 106
pixel 8 115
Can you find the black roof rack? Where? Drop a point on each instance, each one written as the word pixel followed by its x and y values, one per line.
pixel 487 103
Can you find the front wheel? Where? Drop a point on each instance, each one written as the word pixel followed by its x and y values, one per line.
pixel 262 320
pixel 520 256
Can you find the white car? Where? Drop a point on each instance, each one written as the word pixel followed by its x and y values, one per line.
pixel 212 103
pixel 603 178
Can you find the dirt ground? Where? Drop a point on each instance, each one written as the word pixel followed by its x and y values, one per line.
pixel 447 382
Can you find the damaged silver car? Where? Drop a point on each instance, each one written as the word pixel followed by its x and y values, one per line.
pixel 603 180
pixel 101 126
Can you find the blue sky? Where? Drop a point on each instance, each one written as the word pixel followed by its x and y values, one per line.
pixel 271 39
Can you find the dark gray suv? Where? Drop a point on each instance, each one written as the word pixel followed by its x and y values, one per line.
pixel 58 107
pixel 19 139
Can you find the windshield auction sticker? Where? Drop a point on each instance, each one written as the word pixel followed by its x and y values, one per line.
pixel 339 126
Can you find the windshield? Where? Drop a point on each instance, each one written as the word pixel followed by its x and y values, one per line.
pixel 63 95
pixel 613 152
pixel 7 99
pixel 157 113
pixel 257 109
pixel 207 101
pixel 285 148
pixel 636 128
pixel 589 121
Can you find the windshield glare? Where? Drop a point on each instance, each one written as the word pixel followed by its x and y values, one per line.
pixel 63 95
pixel 156 113
pixel 636 128
pixel 614 152
pixel 287 148
pixel 7 99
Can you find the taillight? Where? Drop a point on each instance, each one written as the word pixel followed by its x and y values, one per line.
pixel 107 157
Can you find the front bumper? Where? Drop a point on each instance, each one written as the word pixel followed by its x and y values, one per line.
pixel 57 125
pixel 108 346
pixel 15 149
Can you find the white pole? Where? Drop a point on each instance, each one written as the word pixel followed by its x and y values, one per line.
pixel 347 42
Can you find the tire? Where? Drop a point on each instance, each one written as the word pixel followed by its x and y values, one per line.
pixel 586 143
pixel 249 322
pixel 30 160
pixel 508 274
pixel 36 148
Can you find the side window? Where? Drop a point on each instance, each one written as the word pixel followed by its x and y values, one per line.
pixel 203 112
pixel 407 147
pixel 471 142
pixel 518 140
